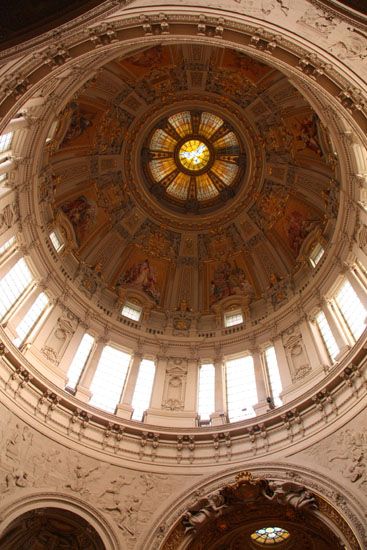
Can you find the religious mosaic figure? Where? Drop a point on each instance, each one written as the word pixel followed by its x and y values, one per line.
pixel 78 123
pixel 82 214
pixel 227 281
pixel 143 276
pixel 298 227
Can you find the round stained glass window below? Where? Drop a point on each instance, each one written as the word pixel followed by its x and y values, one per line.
pixel 194 155
pixel 270 535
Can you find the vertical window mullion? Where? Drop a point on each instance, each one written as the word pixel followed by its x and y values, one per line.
pixel 143 389
pixel 31 318
pixel 79 361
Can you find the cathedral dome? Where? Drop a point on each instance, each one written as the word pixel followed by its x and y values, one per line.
pixel 183 281
pixel 221 164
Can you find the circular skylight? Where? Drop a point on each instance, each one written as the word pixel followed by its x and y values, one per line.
pixel 194 155
pixel 270 535
pixel 194 159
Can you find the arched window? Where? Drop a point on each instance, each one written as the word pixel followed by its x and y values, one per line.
pixel 316 254
pixel 109 378
pixel 13 284
pixel 351 308
pixel 241 388
pixel 31 318
pixel 143 389
pixel 79 361
pixel 327 335
pixel 56 241
pixel 5 141
pixel 232 318
pixel 132 311
pixel 206 401
pixel 8 244
pixel 275 382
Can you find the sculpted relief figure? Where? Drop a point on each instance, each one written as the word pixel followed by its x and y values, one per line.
pixel 206 509
pixel 78 485
pixel 291 494
pixel 126 513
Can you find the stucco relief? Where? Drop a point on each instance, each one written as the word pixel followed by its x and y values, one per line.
pixel 175 386
pixel 345 452
pixel 30 462
pixel 296 354
pixel 59 338
pixel 319 20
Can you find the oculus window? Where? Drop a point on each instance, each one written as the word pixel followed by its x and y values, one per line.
pixel 194 159
pixel 270 535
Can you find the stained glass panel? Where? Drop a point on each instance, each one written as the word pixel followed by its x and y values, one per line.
pixel 270 535
pixel 205 188
pixel 209 124
pixel 181 122
pixel 225 171
pixel 194 155
pixel 160 168
pixel 228 140
pixel 180 186
pixel 161 141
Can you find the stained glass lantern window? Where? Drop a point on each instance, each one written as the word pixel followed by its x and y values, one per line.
pixel 194 157
pixel 270 535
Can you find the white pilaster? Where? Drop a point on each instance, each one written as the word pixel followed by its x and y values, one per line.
pixel 335 327
pixel 219 415
pixel 124 408
pixel 284 371
pixel 262 405
pixel 310 344
pixel 83 388
pixel 72 347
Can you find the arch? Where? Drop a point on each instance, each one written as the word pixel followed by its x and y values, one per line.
pixel 338 508
pixel 18 505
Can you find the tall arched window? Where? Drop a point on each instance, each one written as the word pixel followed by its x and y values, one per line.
pixel 31 318
pixel 109 378
pixel 143 389
pixel 327 336
pixel 351 308
pixel 241 388
pixel 13 284
pixel 275 382
pixel 79 361
pixel 206 400
pixel 8 244
pixel 5 141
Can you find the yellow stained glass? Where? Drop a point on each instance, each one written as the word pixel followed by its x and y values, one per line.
pixel 181 122
pixel 205 188
pixel 209 124
pixel 160 168
pixel 228 140
pixel 194 155
pixel 270 535
pixel 180 186
pixel 226 171
pixel 161 141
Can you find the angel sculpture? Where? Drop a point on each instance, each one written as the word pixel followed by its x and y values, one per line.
pixel 206 508
pixel 289 493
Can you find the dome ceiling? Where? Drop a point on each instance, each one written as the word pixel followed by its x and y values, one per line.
pixel 195 160
pixel 193 173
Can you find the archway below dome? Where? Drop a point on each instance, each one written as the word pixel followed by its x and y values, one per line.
pixel 253 513
pixel 47 528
